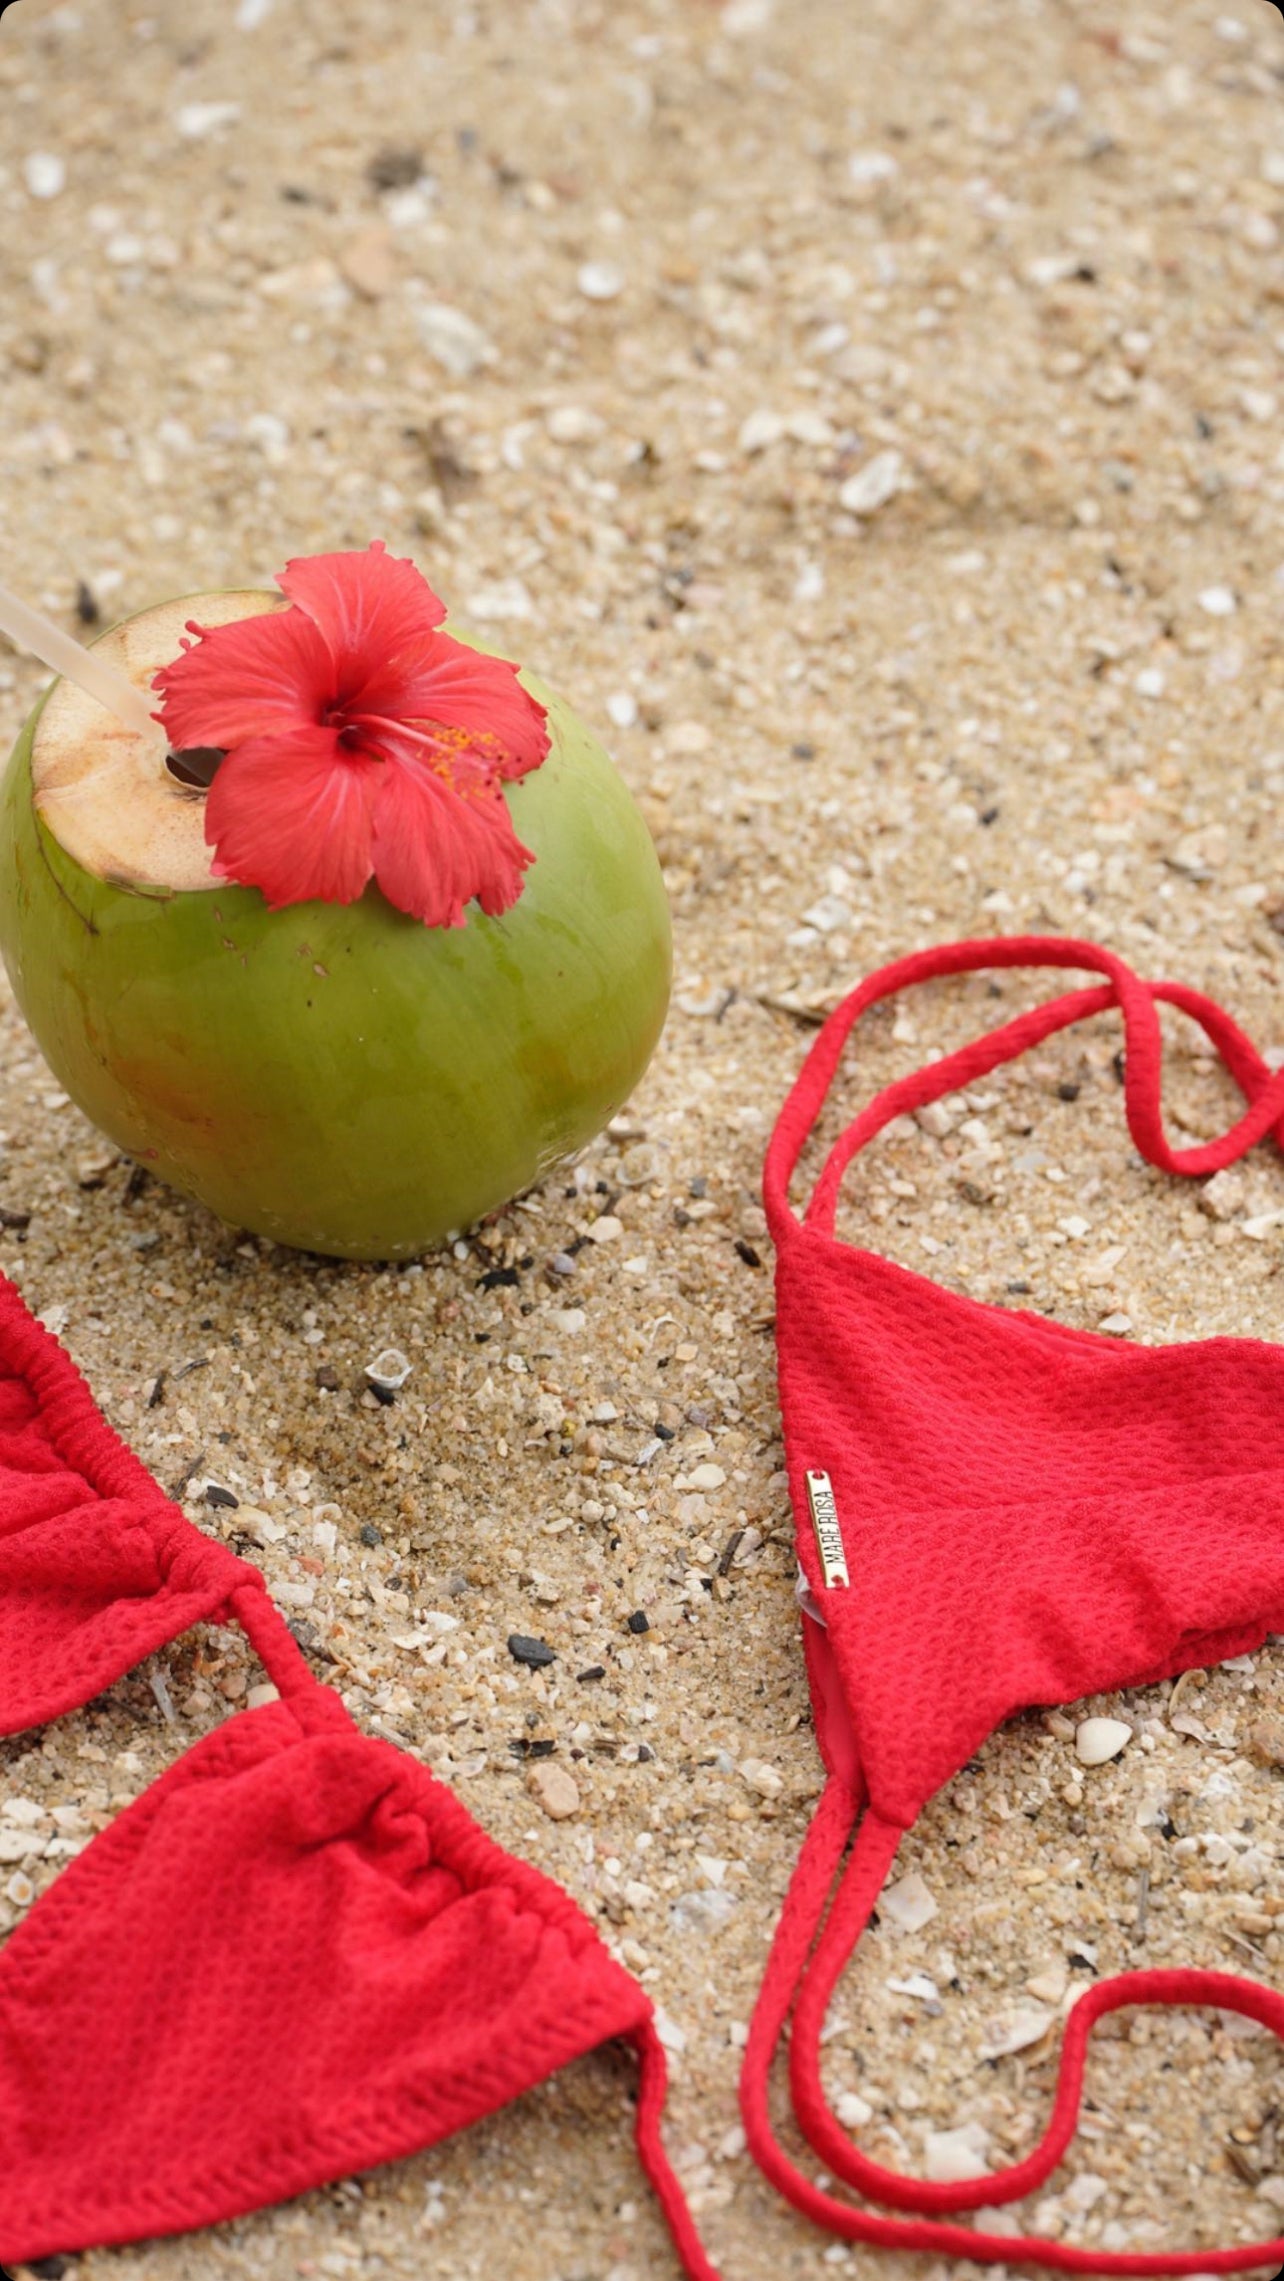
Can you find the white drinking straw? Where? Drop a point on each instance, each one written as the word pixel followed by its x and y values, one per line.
pixel 30 630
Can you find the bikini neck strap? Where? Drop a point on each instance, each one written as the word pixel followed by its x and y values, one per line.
pixel 1143 1061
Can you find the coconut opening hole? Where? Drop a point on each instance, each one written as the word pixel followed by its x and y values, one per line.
pixel 196 767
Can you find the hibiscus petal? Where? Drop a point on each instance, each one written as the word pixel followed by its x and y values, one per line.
pixel 292 815
pixel 368 605
pixel 435 849
pixel 443 680
pixel 253 677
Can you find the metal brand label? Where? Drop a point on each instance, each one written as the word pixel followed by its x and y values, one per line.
pixel 829 1536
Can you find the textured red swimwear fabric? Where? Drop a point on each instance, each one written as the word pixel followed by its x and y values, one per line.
pixel 1029 1515
pixel 296 1955
pixel 97 1567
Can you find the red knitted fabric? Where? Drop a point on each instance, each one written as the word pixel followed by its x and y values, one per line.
pixel 296 1955
pixel 97 1567
pixel 1027 1514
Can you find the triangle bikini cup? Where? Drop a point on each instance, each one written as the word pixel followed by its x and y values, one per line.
pixel 290 1876
pixel 288 1879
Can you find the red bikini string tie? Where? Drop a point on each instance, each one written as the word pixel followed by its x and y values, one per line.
pixel 1263 1090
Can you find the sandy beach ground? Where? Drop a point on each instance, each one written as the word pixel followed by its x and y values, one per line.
pixel 870 415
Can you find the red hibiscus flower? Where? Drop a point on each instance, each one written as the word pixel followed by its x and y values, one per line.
pixel 361 743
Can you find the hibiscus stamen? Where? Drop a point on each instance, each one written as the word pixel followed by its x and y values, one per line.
pixel 439 738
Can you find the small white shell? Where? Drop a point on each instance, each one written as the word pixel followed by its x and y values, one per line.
pixel 1097 1740
pixel 390 1369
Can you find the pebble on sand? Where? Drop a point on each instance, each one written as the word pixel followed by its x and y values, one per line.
pixel 555 1789
pixel 852 2111
pixel 760 1777
pixel 452 339
pixel 536 1654
pixel 950 2156
pixel 44 173
pixel 873 484
pixel 1016 2031
pixel 600 280
pixel 1266 1741
pixel 907 1905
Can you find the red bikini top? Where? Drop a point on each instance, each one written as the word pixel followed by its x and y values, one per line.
pixel 992 1512
pixel 289 1882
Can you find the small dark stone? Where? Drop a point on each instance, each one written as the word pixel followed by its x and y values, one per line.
pixel 87 610
pixel 369 1534
pixel 638 1621
pixel 495 1276
pixel 1021 1290
pixel 306 1636
pixel 1069 1091
pixel 700 1185
pixel 16 1220
pixel 663 1433
pixel 536 1654
pixel 729 1551
pixel 214 1495
pixel 1242 2162
pixel 747 1253
pixel 327 1377
pixel 645 1754
pixel 395 167
pixel 803 750
pixel 988 816
pixel 586 1678
pixel 977 1191
pixel 532 1746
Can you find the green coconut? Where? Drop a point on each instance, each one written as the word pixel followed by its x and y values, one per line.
pixel 336 1077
